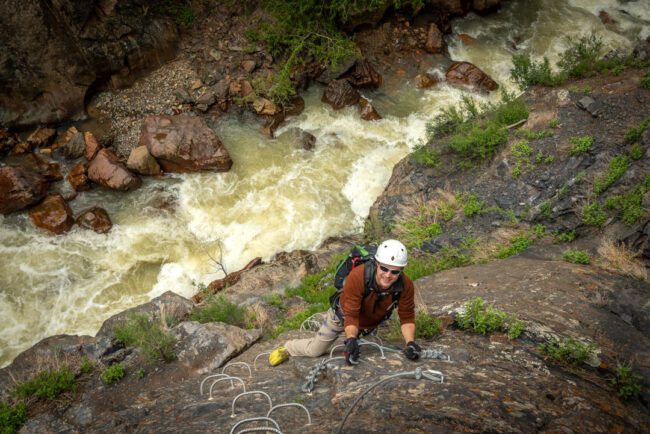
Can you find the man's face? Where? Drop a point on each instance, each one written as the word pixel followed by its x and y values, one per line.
pixel 386 275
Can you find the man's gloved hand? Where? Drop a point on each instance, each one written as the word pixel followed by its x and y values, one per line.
pixel 412 351
pixel 351 351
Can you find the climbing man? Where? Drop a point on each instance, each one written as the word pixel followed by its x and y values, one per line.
pixel 370 292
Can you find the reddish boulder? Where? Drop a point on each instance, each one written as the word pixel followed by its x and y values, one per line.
pixel 367 111
pixel 107 171
pixel 434 43
pixel 184 144
pixel 42 137
pixel 92 146
pixel 271 123
pixel 425 80
pixel 263 106
pixel 52 214
pixel 78 178
pixel 95 218
pixel 20 188
pixel 246 88
pixel 22 148
pixel 308 141
pixel 362 74
pixel 339 93
pixel 141 161
pixel 294 106
pixel 467 39
pixel 466 74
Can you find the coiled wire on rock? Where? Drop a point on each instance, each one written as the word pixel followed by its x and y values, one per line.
pixel 418 373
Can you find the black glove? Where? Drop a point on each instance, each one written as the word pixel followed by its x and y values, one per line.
pixel 412 351
pixel 351 351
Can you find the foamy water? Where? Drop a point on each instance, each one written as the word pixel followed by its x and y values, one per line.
pixel 277 197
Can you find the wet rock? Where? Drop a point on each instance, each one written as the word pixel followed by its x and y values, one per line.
pixel 246 88
pixel 42 137
pixel 425 80
pixel 53 214
pixel 67 135
pixel 96 219
pixel 234 88
pixel 141 161
pixel 92 146
pixel 330 74
pixel 604 17
pixel 183 96
pixel 466 74
pixel 434 43
pixel 78 179
pixel 228 281
pixel 20 188
pixel 294 106
pixel 308 141
pixel 362 74
pixel 22 148
pixel 184 144
pixel 75 147
pixel 263 106
pixel 36 163
pixel 207 99
pixel 339 94
pixel 7 141
pixel 466 39
pixel 367 111
pixel 107 171
pixel 271 123
pixel 221 89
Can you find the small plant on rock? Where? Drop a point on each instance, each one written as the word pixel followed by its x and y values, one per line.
pixel 565 237
pixel 545 209
pixel 636 152
pixel 577 256
pixel 553 123
pixel 46 384
pixel 471 204
pixel 517 244
pixel 483 319
pixel 627 384
pixel 617 167
pixel 141 331
pixel 570 351
pixel 12 417
pixel 427 327
pixel 593 214
pixel 86 365
pixel 634 134
pixel 580 145
pixel 113 374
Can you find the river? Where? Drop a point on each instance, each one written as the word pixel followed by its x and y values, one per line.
pixel 277 197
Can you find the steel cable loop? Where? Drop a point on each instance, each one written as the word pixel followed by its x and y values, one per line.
pixel 227 378
pixel 260 428
pixel 259 392
pixel 291 404
pixel 418 375
pixel 435 354
pixel 314 373
pixel 232 384
pixel 254 419
pixel 266 353
pixel 250 373
pixel 311 321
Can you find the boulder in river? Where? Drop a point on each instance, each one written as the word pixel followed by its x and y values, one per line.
pixel 367 111
pixel 434 43
pixel 42 137
pixel 78 178
pixel 20 188
pixel 107 171
pixel 184 144
pixel 75 147
pixel 52 214
pixel 466 74
pixel 141 161
pixel 362 74
pixel 95 218
pixel 92 146
pixel 340 93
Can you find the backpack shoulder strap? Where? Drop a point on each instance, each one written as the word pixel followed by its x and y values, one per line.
pixel 368 276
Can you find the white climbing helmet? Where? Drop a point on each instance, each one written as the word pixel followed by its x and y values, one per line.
pixel 391 252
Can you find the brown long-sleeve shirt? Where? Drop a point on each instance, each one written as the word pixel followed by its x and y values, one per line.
pixel 359 311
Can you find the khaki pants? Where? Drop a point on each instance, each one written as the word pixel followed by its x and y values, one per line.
pixel 319 344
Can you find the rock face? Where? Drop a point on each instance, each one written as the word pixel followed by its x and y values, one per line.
pixel 184 144
pixel 466 74
pixel 52 214
pixel 95 218
pixel 367 111
pixel 55 52
pixel 78 179
pixel 141 161
pixel 107 171
pixel 339 94
pixel 20 188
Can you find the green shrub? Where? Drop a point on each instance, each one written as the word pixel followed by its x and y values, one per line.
pixel 580 145
pixel 252 35
pixel 511 111
pixel 569 351
pixel 141 373
pixel 483 319
pixel 617 167
pixel 220 309
pixel 446 259
pixel 426 157
pixel 12 417
pixel 46 384
pixel 427 327
pixel 580 58
pixel 141 331
pixel 517 244
pixel 471 204
pixel 113 374
pixel 553 123
pixel 549 159
pixel 627 383
pixel 634 134
pixel 645 80
pixel 593 214
pixel 526 72
pixel 577 256
pixel 545 208
pixel 630 204
pixel 479 141
pixel 181 13
pixel 417 232
pixel 636 152
pixel 565 237
pixel 539 231
pixel 276 300
pixel 86 365
pixel 521 151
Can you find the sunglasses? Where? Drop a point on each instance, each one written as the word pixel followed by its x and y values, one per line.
pixel 386 270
